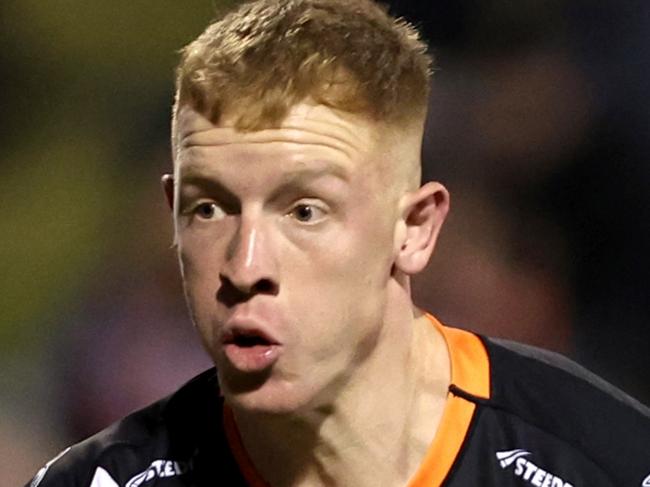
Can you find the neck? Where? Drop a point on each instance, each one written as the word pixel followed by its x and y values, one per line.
pixel 374 432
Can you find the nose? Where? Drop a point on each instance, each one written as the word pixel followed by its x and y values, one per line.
pixel 250 267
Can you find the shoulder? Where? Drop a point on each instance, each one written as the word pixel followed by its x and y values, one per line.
pixel 547 402
pixel 528 379
pixel 157 441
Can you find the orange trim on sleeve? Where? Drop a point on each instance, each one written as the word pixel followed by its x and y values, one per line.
pixel 253 479
pixel 470 371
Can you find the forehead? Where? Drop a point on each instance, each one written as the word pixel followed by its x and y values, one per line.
pixel 309 131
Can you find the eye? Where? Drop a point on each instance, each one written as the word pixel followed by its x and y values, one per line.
pixel 306 213
pixel 209 211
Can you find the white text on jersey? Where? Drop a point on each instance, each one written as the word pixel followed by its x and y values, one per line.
pixel 528 471
pixel 159 469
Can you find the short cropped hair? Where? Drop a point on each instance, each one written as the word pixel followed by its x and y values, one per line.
pixel 266 56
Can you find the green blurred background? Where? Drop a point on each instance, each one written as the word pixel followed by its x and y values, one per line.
pixel 86 89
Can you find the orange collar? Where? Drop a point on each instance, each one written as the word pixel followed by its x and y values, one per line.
pixel 470 371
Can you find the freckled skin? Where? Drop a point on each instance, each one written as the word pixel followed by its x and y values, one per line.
pixel 331 272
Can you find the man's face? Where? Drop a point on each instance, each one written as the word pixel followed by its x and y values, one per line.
pixel 286 243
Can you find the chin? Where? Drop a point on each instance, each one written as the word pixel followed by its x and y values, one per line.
pixel 268 396
pixel 263 406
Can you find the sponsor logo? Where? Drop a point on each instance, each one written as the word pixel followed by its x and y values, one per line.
pixel 159 469
pixel 506 458
pixel 646 482
pixel 529 471
pixel 38 478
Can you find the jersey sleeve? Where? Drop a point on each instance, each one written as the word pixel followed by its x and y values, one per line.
pixel 64 470
pixel 578 408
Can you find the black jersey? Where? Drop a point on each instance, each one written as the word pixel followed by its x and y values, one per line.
pixel 516 416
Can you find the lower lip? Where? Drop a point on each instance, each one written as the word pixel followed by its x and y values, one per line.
pixel 252 359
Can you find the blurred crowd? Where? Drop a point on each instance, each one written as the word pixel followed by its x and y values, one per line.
pixel 538 125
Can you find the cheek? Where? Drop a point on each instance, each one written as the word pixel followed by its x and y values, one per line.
pixel 197 269
pixel 200 266
pixel 201 251
pixel 200 283
pixel 342 282
pixel 360 253
pixel 338 262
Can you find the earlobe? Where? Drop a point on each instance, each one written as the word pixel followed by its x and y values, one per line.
pixel 167 181
pixel 424 212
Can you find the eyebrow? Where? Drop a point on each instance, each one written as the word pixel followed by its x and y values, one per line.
pixel 196 176
pixel 211 185
pixel 297 180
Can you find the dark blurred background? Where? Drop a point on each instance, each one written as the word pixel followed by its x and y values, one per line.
pixel 538 125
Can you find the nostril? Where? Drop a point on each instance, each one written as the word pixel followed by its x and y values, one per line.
pixel 265 286
pixel 231 294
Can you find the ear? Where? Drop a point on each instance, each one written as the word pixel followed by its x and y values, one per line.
pixel 423 213
pixel 167 181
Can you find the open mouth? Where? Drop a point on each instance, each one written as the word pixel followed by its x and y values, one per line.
pixel 247 338
pixel 250 350
pixel 247 341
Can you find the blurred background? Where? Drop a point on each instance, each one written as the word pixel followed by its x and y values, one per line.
pixel 538 125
